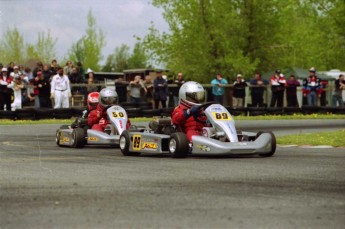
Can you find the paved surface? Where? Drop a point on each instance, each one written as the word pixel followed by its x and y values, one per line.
pixel 44 186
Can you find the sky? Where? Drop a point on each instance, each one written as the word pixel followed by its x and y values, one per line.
pixel 120 20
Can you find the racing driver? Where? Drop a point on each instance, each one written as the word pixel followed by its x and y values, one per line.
pixel 191 95
pixel 97 118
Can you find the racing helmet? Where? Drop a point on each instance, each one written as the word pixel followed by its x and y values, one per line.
pixel 107 97
pixel 191 93
pixel 92 100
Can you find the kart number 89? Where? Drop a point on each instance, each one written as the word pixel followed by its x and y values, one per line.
pixel 118 115
pixel 221 115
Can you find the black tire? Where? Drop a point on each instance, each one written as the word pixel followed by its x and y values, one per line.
pixel 124 144
pixel 44 113
pixel 78 138
pixel 273 143
pixel 25 114
pixel 7 115
pixel 179 145
pixel 57 137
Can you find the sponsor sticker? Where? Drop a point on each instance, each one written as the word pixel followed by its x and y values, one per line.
pixel 149 145
pixel 136 142
pixel 92 138
pixel 204 148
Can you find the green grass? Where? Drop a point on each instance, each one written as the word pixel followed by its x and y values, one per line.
pixel 335 138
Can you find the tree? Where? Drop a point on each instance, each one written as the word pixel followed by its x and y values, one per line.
pixel 12 47
pixel 43 50
pixel 88 49
pixel 121 57
pixel 138 59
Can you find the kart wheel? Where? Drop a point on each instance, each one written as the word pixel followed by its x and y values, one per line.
pixel 273 143
pixel 179 145
pixel 57 137
pixel 124 144
pixel 78 138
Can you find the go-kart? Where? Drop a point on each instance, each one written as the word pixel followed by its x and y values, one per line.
pixel 221 138
pixel 79 134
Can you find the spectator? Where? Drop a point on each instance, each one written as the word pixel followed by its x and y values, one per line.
pixel 17 85
pixel 10 67
pixel 1 65
pixel 91 87
pixel 121 89
pixel 60 90
pixel 239 92
pixel 291 91
pixel 323 100
pixel 67 70
pixel 277 83
pixel 178 82
pixel 15 72
pixel 339 86
pixel 75 78
pixel 312 87
pixel 81 71
pixel 21 69
pixel 38 68
pixel 43 87
pixel 148 88
pixel 28 73
pixel 53 67
pixel 258 87
pixel 30 92
pixel 218 88
pixel 160 90
pixel 5 92
pixel 135 87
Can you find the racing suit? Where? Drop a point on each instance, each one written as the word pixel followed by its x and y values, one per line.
pixel 186 122
pixel 98 120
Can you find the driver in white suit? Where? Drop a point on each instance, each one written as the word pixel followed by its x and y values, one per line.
pixel 60 89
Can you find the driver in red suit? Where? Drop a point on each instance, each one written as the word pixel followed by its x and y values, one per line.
pixel 187 115
pixel 97 118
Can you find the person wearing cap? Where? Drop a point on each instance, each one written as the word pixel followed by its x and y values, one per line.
pixel 218 88
pixel 60 90
pixel 15 72
pixel 5 91
pixel 337 96
pixel 17 85
pixel 278 83
pixel 312 88
pixel 257 89
pixel 239 92
pixel 160 90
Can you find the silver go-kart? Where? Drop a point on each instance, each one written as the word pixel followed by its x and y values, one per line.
pixel 221 138
pixel 78 134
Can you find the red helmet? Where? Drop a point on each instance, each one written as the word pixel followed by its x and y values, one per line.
pixel 92 100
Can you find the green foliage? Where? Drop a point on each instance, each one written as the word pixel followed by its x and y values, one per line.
pixel 138 59
pixel 243 36
pixel 88 49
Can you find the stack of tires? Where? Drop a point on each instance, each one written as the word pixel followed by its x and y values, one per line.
pixel 7 115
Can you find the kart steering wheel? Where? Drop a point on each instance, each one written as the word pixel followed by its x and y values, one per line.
pixel 202 106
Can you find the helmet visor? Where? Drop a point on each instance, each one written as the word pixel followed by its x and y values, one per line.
pixel 195 97
pixel 109 100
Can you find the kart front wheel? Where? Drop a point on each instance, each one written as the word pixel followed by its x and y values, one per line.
pixel 78 138
pixel 124 144
pixel 179 145
pixel 273 143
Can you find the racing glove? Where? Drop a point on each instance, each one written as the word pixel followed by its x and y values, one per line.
pixel 194 110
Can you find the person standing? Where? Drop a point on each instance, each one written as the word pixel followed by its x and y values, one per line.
pixel 178 82
pixel 291 91
pixel 43 86
pixel 60 90
pixel 160 90
pixel 121 89
pixel 5 91
pixel 148 88
pixel 135 87
pixel 17 85
pixel 277 83
pixel 312 87
pixel 339 86
pixel 218 88
pixel 258 87
pixel 239 92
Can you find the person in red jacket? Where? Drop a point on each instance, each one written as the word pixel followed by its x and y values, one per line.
pixel 191 95
pixel 97 118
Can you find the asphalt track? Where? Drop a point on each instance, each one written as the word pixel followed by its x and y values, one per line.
pixel 44 186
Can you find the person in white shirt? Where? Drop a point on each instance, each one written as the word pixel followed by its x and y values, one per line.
pixel 60 90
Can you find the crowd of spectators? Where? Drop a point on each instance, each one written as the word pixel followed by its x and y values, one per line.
pixel 52 85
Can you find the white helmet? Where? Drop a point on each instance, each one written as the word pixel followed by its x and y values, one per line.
pixel 191 93
pixel 107 97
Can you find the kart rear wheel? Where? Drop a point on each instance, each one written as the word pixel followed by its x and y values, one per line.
pixel 273 143
pixel 179 145
pixel 78 138
pixel 124 144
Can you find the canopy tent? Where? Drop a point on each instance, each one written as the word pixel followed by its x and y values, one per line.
pixel 299 73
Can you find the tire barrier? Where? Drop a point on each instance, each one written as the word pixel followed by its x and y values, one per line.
pixel 147 111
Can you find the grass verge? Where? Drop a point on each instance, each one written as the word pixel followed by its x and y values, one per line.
pixel 334 138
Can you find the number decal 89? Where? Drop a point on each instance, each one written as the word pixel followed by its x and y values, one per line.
pixel 221 115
